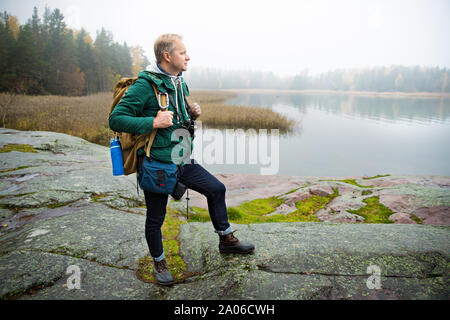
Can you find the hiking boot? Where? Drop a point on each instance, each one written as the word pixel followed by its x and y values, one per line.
pixel 230 244
pixel 162 273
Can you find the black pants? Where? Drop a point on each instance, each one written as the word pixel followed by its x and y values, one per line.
pixel 197 178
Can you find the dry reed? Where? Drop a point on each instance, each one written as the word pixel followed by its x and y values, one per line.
pixel 87 117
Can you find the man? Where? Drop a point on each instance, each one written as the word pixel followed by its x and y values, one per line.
pixel 139 113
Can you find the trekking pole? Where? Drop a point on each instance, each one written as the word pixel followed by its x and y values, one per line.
pixel 187 205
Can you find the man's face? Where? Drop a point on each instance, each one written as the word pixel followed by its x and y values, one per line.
pixel 179 57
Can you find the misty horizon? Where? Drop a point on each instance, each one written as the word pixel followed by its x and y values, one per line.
pixel 286 37
pixel 310 74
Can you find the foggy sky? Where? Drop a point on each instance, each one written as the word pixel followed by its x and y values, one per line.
pixel 285 37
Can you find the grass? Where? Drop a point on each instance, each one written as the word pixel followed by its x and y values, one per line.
pixel 240 117
pixel 87 117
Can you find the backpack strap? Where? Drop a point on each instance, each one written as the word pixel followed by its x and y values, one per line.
pixel 164 102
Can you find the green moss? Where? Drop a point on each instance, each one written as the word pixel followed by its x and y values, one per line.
pixel 292 191
pixel 377 176
pixel 10 207
pixel 14 169
pixel 256 211
pixel 260 207
pixel 351 181
pixel 21 194
pixel 18 147
pixel 177 266
pixel 197 214
pixel 59 204
pixel 235 214
pixel 374 211
pixel 68 252
pixel 366 192
pixel 97 197
pixel 311 204
pixel 416 219
pixel 308 207
pixel 60 250
pixel 175 263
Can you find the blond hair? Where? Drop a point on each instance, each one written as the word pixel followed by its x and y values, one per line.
pixel 165 43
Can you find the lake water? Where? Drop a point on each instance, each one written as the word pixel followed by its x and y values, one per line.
pixel 347 135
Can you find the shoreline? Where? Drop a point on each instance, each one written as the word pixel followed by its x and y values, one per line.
pixel 372 94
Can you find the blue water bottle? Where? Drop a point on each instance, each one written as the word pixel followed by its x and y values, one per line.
pixel 116 157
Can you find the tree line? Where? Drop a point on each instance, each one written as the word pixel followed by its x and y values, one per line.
pixel 379 79
pixel 44 56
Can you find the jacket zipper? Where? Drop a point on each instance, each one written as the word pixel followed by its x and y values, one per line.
pixel 176 98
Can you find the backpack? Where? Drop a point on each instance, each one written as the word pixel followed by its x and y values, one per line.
pixel 131 143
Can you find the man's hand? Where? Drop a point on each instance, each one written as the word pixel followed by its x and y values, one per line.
pixel 163 119
pixel 196 110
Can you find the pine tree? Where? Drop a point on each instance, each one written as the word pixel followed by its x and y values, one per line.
pixel 7 45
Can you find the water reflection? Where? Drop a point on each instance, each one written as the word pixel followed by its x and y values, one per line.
pixel 422 111
pixel 340 135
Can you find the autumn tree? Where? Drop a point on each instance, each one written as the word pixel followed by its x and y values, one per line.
pixel 138 60
pixel 44 56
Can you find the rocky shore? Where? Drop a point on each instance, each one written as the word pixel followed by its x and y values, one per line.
pixel 60 206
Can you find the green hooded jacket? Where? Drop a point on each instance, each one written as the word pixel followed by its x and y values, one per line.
pixel 138 108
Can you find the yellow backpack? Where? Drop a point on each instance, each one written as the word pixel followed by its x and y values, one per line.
pixel 131 143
